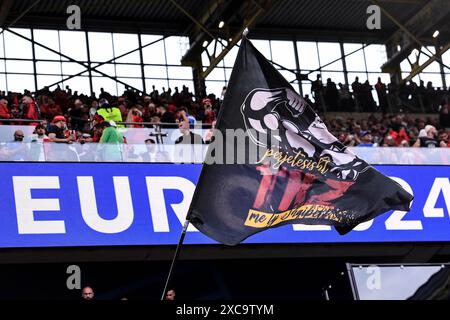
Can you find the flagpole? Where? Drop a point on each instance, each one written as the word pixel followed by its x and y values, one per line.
pixel 186 223
pixel 183 234
pixel 175 258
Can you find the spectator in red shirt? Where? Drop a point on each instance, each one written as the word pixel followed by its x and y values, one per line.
pixel 30 110
pixel 210 115
pixel 122 107
pixel 15 114
pixel 4 111
pixel 171 108
pixel 399 137
pixel 49 109
pixel 61 98
pixel 134 115
pixel 149 110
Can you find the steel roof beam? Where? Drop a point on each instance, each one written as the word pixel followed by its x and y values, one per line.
pixel 4 11
pixel 425 21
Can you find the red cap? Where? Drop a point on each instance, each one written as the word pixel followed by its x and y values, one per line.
pixel 58 118
pixel 206 100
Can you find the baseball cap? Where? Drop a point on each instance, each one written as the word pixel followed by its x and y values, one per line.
pixel 58 118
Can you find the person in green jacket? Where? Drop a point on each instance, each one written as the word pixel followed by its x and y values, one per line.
pixel 111 142
pixel 109 113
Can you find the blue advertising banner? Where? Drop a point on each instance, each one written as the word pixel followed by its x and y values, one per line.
pixel 109 204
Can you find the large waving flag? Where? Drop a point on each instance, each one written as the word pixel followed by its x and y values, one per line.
pixel 305 175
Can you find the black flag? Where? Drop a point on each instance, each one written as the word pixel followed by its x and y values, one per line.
pixel 305 175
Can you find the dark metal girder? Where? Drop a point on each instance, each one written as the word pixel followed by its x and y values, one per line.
pixel 87 66
pixel 225 12
pixel 212 12
pixel 433 58
pixel 108 25
pixel 254 11
pixel 314 34
pixel 261 9
pixel 108 61
pixel 4 11
pixel 428 19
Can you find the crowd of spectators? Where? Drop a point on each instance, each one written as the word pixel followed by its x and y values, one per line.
pixel 131 107
pixel 65 116
pixel 391 131
pixel 407 97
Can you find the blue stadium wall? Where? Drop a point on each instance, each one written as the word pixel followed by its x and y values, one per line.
pixel 117 204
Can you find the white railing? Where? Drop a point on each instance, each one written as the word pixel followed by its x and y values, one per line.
pixel 182 153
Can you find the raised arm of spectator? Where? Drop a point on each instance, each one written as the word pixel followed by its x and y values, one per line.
pixel 416 144
pixel 4 114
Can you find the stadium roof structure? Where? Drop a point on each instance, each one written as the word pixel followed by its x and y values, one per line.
pixel 405 24
pixel 281 18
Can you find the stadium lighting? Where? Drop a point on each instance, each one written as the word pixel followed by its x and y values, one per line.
pixel 205 44
pixel 436 34
pixel 221 24
pixel 399 48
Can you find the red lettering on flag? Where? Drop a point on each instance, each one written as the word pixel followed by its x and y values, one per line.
pixel 337 189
